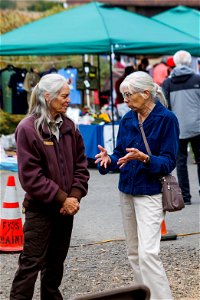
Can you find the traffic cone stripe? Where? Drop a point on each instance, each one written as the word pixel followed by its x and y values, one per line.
pixel 11 181
pixel 10 205
pixel 10 194
pixel 10 214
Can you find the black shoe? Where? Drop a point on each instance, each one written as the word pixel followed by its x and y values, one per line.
pixel 187 203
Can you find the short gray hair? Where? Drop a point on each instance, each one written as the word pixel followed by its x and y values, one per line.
pixel 140 81
pixel 182 58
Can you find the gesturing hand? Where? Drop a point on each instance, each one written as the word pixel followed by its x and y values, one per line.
pixel 70 206
pixel 133 154
pixel 102 157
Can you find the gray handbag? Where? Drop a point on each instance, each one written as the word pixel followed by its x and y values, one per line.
pixel 172 198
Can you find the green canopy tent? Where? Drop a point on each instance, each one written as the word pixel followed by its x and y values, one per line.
pixel 95 28
pixel 183 18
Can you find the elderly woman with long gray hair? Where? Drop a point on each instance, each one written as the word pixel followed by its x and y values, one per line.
pixel 53 172
pixel 139 184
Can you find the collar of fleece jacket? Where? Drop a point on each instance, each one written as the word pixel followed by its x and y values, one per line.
pixel 67 126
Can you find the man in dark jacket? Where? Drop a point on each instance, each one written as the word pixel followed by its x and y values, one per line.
pixel 182 90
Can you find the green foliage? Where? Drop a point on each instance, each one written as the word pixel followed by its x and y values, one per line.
pixel 12 19
pixel 41 6
pixel 7 4
pixel 53 10
pixel 9 122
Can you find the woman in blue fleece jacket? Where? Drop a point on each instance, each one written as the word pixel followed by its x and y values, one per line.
pixel 139 184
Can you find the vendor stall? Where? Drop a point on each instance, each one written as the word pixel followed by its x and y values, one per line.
pixel 94 135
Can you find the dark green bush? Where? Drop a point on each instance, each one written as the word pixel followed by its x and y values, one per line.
pixel 9 122
pixel 7 4
pixel 41 6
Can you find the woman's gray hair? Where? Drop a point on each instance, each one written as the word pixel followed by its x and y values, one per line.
pixel 51 84
pixel 182 58
pixel 140 81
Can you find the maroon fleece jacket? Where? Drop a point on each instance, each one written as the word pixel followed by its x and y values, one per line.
pixel 49 170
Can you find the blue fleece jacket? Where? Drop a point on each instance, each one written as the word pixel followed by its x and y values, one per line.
pixel 162 132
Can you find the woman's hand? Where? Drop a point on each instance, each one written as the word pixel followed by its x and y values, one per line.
pixel 102 157
pixel 70 206
pixel 133 154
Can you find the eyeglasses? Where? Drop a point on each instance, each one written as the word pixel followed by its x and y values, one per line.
pixel 127 95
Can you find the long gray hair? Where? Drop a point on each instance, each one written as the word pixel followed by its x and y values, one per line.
pixel 140 81
pixel 51 83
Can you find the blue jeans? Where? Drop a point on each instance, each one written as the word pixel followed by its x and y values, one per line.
pixel 181 164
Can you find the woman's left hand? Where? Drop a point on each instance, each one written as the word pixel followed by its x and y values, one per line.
pixel 133 154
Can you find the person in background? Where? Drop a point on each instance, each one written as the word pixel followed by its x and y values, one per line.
pixel 139 183
pixel 145 66
pixel 198 62
pixel 182 91
pixel 31 79
pixel 52 170
pixel 119 98
pixel 160 72
pixel 170 63
pixel 118 64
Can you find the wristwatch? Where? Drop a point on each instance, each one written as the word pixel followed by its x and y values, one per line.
pixel 147 159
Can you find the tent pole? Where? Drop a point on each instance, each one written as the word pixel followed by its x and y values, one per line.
pixel 99 75
pixel 82 91
pixel 111 94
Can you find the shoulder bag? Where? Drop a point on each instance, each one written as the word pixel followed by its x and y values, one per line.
pixel 172 198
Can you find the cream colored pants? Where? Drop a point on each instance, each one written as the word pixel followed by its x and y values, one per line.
pixel 142 217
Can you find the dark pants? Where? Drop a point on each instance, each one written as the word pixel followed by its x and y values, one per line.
pixel 182 170
pixel 46 242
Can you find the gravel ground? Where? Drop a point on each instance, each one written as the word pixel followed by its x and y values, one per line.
pixel 97 267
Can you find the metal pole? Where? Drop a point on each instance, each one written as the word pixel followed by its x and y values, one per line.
pixel 111 94
pixel 99 75
pixel 87 91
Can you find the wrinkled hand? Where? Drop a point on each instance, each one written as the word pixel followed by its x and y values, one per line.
pixel 102 157
pixel 133 154
pixel 70 207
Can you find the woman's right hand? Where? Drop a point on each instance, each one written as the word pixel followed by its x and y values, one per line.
pixel 70 207
pixel 102 157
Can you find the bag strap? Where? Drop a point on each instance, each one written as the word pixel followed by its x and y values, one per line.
pixel 144 139
pixel 147 146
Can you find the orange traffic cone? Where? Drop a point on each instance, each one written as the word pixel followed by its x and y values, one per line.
pixel 163 228
pixel 167 235
pixel 11 233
